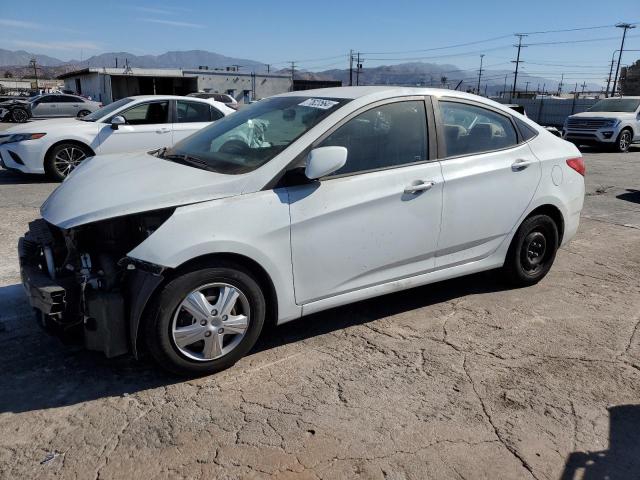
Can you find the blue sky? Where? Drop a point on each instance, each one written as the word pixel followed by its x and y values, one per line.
pixel 320 35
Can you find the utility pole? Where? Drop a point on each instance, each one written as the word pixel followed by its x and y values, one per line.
pixel 517 61
pixel 268 68
pixel 504 89
pixel 584 84
pixel 560 84
pixel 526 87
pixel 358 68
pixel 538 88
pixel 625 27
pixel 351 67
pixel 543 87
pixel 32 63
pixel 480 73
pixel 293 71
pixel 609 79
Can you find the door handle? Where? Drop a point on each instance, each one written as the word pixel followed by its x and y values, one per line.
pixel 163 130
pixel 520 164
pixel 420 186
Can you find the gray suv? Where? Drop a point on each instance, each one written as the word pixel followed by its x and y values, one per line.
pixel 613 122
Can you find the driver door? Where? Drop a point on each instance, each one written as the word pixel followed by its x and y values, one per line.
pixel 147 127
pixel 375 220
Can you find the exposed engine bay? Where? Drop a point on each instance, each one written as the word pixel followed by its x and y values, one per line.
pixel 81 282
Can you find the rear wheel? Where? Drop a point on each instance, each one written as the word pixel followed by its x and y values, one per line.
pixel 83 113
pixel 64 158
pixel 205 320
pixel 624 141
pixel 532 251
pixel 19 115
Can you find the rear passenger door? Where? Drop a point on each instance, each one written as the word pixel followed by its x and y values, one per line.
pixel 192 116
pixel 490 176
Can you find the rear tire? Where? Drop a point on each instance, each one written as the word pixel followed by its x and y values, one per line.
pixel 532 251
pixel 63 159
pixel 180 336
pixel 19 115
pixel 623 142
pixel 83 113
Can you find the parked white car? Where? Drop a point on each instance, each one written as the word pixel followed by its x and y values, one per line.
pixel 298 203
pixel 56 147
pixel 611 122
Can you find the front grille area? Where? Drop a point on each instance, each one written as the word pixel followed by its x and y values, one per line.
pixel 590 124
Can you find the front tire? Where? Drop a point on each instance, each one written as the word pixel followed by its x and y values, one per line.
pixel 19 115
pixel 63 159
pixel 623 141
pixel 532 251
pixel 83 113
pixel 205 320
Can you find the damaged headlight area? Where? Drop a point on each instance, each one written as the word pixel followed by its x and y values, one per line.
pixel 81 282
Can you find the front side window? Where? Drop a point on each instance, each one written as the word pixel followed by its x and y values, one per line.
pixel 106 110
pixel 386 136
pixel 251 137
pixel 469 129
pixel 147 113
pixel 189 112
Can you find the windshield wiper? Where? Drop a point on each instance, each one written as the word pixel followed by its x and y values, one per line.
pixel 186 160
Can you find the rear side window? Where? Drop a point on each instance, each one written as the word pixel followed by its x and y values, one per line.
pixel 216 114
pixel 525 130
pixel 390 135
pixel 469 129
pixel 190 112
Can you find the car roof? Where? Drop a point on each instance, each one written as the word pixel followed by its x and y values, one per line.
pixel 377 91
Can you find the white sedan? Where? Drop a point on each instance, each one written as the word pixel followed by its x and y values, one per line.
pixel 298 203
pixel 56 147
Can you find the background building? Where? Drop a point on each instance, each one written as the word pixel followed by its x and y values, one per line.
pixel 109 84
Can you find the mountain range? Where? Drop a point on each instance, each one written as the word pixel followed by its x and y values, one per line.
pixel 409 74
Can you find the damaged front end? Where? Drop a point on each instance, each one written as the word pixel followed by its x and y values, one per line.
pixel 81 282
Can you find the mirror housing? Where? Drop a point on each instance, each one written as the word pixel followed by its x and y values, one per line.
pixel 325 160
pixel 117 121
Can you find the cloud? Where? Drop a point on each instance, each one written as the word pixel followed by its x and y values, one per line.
pixel 157 11
pixel 6 22
pixel 53 45
pixel 173 23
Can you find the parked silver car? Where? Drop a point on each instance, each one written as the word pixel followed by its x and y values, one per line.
pixel 48 106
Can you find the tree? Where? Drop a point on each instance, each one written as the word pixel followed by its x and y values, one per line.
pixel 630 79
pixel 8 74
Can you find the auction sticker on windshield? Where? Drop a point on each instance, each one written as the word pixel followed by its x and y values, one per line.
pixel 320 103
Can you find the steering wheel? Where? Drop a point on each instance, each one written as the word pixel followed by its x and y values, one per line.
pixel 234 147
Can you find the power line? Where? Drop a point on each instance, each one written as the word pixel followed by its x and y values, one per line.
pixel 562 42
pixel 571 29
pixel 439 48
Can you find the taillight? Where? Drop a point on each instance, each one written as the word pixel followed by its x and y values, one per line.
pixel 577 164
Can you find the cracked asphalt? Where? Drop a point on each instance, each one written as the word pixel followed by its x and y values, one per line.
pixel 458 380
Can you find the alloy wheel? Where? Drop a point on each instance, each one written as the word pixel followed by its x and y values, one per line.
pixel 67 159
pixel 625 141
pixel 210 321
pixel 19 116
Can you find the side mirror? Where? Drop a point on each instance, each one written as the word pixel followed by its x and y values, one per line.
pixel 325 160
pixel 117 121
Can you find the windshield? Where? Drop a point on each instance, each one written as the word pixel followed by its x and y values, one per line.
pixel 104 111
pixel 616 105
pixel 248 139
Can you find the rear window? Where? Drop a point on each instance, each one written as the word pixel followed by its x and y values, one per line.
pixel 526 131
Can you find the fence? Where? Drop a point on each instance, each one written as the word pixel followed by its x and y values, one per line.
pixel 551 111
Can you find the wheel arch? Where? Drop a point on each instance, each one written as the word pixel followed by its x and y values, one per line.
pixel 253 267
pixel 554 213
pixel 72 141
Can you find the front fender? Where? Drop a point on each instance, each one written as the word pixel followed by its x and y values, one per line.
pixel 254 225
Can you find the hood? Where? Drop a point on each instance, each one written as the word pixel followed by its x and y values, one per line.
pixel 6 103
pixel 51 125
pixel 615 115
pixel 109 186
